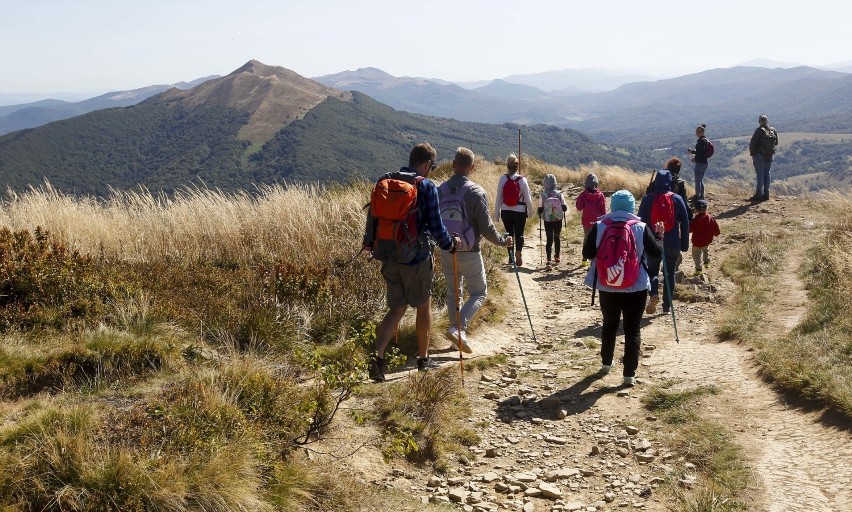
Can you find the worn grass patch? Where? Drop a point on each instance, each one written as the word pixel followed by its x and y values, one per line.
pixel 423 417
pixel 719 461
pixel 753 268
pixel 486 362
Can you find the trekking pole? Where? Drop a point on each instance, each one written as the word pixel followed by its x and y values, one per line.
pixel 671 297
pixel 517 275
pixel 458 316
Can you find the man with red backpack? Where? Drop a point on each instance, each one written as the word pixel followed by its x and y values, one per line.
pixel 618 245
pixel 663 205
pixel 404 213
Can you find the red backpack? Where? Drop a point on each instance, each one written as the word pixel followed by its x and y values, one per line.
pixel 710 149
pixel 512 191
pixel 393 206
pixel 663 210
pixel 617 262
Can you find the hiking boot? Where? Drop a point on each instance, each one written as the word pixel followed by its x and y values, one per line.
pixel 556 260
pixel 651 308
pixel 426 364
pixel 453 335
pixel 519 262
pixel 549 266
pixel 377 368
pixel 605 368
pixel 755 198
pixel 586 263
pixel 764 197
pixel 698 273
pixel 630 381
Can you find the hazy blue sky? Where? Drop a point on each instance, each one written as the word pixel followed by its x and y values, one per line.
pixel 101 45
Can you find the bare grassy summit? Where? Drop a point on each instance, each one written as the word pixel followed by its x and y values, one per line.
pixel 273 96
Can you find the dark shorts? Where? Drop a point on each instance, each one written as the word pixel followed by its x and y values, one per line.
pixel 408 285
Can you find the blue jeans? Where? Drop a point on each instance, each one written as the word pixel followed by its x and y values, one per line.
pixel 761 168
pixel 672 254
pixel 700 168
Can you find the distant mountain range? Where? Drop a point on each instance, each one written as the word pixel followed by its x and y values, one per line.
pixel 649 113
pixel 259 124
pixel 30 115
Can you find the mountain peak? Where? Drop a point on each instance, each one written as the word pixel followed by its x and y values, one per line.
pixel 255 67
pixel 273 97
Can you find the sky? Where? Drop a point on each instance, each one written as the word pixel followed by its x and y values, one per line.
pixel 95 46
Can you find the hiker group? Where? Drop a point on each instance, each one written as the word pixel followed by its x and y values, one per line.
pixel 624 249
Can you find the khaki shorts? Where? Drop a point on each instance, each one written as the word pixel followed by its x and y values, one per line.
pixel 408 285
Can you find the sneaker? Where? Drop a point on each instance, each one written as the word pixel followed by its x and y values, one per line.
pixel 377 369
pixel 666 308
pixel 630 381
pixel 424 365
pixel 586 263
pixel 764 197
pixel 697 273
pixel 706 264
pixel 651 308
pixel 556 260
pixel 549 266
pixel 605 368
pixel 518 260
pixel 755 198
pixel 453 335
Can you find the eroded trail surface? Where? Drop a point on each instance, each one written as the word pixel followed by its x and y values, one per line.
pixel 557 436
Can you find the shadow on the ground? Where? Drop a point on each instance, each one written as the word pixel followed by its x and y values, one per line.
pixel 734 212
pixel 575 399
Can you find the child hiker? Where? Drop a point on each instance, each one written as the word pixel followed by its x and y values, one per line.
pixel 703 228
pixel 592 203
pixel 552 208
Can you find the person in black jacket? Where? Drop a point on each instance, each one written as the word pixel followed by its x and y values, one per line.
pixel 699 157
pixel 761 147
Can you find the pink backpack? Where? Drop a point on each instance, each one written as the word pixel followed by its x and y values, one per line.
pixel 617 260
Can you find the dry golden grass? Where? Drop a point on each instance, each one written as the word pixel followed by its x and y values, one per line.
pixel 304 223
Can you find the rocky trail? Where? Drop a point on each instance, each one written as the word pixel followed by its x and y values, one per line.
pixel 558 437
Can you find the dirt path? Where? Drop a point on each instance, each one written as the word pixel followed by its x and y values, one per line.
pixel 555 436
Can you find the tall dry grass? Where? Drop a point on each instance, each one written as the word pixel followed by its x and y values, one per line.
pixel 303 223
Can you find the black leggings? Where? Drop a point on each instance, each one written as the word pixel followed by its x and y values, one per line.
pixel 631 306
pixel 514 222
pixel 552 229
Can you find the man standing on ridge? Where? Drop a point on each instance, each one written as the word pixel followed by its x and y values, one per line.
pixel 460 194
pixel 762 148
pixel 410 283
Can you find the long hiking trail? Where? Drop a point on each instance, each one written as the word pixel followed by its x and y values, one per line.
pixel 558 437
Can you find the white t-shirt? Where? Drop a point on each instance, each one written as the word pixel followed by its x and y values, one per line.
pixel 526 198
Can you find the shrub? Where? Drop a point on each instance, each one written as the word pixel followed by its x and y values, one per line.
pixel 43 284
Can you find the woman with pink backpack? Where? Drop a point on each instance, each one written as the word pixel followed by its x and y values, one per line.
pixel 618 245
